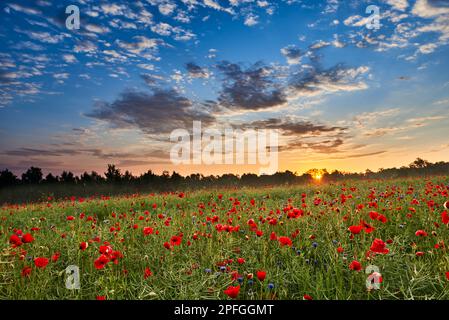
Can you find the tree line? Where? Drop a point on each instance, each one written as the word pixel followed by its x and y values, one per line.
pixel 167 181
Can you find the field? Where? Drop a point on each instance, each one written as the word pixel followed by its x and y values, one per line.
pixel 302 242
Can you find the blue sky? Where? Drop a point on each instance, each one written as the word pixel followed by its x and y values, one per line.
pixel 343 96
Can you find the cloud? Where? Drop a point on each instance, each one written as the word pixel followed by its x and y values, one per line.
pixel 251 20
pixel 158 112
pixel 430 8
pixel 315 80
pixel 195 71
pixel 23 9
pixel 292 53
pixel 97 29
pixel 293 127
pixel 400 5
pixel 254 88
pixel 69 58
pixel 140 45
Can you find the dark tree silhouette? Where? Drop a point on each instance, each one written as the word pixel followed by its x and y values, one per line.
pixel 32 175
pixel 7 178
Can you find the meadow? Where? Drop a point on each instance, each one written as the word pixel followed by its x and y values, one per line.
pixel 297 242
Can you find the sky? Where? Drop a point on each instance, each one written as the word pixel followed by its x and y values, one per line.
pixel 340 93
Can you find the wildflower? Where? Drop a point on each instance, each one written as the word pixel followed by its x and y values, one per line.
pixel 175 241
pixel 241 261
pixel 83 246
pixel 147 273
pixel 261 275
pixel 55 257
pixel 101 262
pixel 285 241
pixel 232 292
pixel 421 233
pixel 147 231
pixel 378 246
pixel 70 218
pixel 445 216
pixel 307 297
pixel 270 286
pixel 355 265
pixel 355 229
pixel 41 262
pixel 15 240
pixel 27 238
pixel 26 271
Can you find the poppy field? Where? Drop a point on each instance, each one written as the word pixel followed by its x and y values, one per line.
pixel 352 240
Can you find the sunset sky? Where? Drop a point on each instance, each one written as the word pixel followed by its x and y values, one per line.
pixel 341 95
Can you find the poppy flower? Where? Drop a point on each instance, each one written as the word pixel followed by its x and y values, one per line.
pixel 55 257
pixel 26 271
pixel 167 245
pixel 446 205
pixel 175 241
pixel 355 265
pixel 83 246
pixel 447 275
pixel 355 229
pixel 285 241
pixel 445 217
pixel 378 246
pixel 147 273
pixel 259 233
pixel 232 292
pixel 241 261
pixel 101 262
pixel 147 231
pixel 105 249
pixel 419 254
pixel 41 262
pixel 101 298
pixel 70 218
pixel 27 238
pixel 373 215
pixel 421 233
pixel 15 240
pixel 261 275
pixel 307 297
pixel 273 236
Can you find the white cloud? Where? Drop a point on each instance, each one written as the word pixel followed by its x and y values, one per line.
pixel 251 20
pixel 69 58
pixel 400 5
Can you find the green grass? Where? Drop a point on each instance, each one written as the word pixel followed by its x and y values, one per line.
pixel 320 272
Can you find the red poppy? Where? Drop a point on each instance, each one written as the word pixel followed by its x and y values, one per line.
pixel 26 271
pixel 340 250
pixel 259 233
pixel 83 246
pixel 232 292
pixel 70 218
pixel 355 229
pixel 261 275
pixel 15 240
pixel 55 257
pixel 446 205
pixel 285 241
pixel 175 241
pixel 421 233
pixel 373 215
pixel 378 246
pixel 447 275
pixel 307 297
pixel 445 217
pixel 167 245
pixel 355 265
pixel 101 298
pixel 419 254
pixel 41 262
pixel 27 238
pixel 273 236
pixel 105 249
pixel 147 273
pixel 101 262
pixel 147 231
pixel 241 261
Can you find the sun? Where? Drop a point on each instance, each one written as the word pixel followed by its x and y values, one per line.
pixel 318 176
